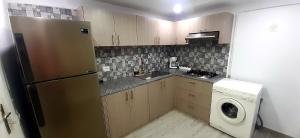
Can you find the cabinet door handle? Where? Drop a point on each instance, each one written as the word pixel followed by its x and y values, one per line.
pixel 118 40
pixel 158 39
pixel 161 84
pixel 5 119
pixel 192 83
pixel 126 96
pixel 112 39
pixel 155 40
pixel 164 84
pixel 191 95
pixel 131 94
pixel 190 106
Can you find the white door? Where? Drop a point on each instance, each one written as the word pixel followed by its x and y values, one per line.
pixel 13 119
pixel 5 41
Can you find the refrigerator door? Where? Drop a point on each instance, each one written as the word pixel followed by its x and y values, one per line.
pixel 51 49
pixel 69 108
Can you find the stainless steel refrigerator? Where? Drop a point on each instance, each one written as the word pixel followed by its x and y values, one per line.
pixel 57 61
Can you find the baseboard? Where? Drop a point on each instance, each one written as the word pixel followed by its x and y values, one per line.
pixel 275 133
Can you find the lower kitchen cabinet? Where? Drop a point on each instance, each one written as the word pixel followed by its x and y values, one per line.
pixel 155 90
pixel 168 94
pixel 193 109
pixel 193 97
pixel 118 114
pixel 126 111
pixel 139 106
pixel 161 97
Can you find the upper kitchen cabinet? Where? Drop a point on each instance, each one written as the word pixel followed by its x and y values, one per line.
pixel 184 27
pixel 182 30
pixel 102 26
pixel 155 32
pixel 222 22
pixel 126 29
pixel 110 28
pixel 166 35
pixel 195 25
pixel 147 31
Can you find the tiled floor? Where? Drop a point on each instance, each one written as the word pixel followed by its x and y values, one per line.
pixel 179 125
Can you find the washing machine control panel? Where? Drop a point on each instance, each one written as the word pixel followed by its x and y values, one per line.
pixel 238 95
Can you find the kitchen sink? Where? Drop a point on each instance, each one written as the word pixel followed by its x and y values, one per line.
pixel 153 75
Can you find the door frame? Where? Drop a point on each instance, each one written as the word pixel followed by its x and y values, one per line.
pixel 6 41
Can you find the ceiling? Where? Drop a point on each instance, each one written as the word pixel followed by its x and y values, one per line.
pixel 165 7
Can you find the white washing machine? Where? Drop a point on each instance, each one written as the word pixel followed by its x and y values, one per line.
pixel 235 106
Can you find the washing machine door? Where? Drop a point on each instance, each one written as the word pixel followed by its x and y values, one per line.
pixel 231 110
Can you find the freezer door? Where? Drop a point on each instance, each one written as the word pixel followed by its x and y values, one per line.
pixel 51 49
pixel 68 108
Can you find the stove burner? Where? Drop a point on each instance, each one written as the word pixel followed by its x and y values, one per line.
pixel 201 74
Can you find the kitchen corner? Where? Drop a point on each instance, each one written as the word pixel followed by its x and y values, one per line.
pixel 135 69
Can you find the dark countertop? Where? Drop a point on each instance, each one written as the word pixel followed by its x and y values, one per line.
pixel 114 86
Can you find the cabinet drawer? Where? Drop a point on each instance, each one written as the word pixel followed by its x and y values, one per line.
pixel 199 112
pixel 193 109
pixel 201 99
pixel 195 85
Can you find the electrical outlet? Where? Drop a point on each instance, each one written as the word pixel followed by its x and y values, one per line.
pixel 105 68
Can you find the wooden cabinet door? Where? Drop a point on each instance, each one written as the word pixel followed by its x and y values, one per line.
pixel 182 30
pixel 155 28
pixel 222 22
pixel 126 29
pixel 146 31
pixel 155 99
pixel 106 116
pixel 195 25
pixel 102 26
pixel 168 94
pixel 118 112
pixel 139 106
pixel 166 33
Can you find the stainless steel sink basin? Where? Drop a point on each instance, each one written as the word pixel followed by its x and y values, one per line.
pixel 153 75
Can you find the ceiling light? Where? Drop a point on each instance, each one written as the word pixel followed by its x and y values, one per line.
pixel 177 8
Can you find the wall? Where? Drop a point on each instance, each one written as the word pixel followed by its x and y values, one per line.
pixel 6 41
pixel 266 50
pixel 243 6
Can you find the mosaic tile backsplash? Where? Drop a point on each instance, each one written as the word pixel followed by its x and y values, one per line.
pixel 123 61
pixel 204 56
pixel 29 10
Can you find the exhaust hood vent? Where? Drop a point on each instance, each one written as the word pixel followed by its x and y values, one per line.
pixel 214 35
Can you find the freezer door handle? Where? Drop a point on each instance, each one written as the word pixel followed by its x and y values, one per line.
pixel 35 101
pixel 23 57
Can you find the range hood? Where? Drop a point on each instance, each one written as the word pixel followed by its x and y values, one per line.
pixel 213 35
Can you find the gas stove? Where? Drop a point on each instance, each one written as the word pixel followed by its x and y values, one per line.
pixel 201 74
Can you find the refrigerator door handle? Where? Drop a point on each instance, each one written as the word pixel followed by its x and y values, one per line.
pixel 23 57
pixel 35 101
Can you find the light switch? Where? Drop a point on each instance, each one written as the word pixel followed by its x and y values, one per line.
pixel 105 68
